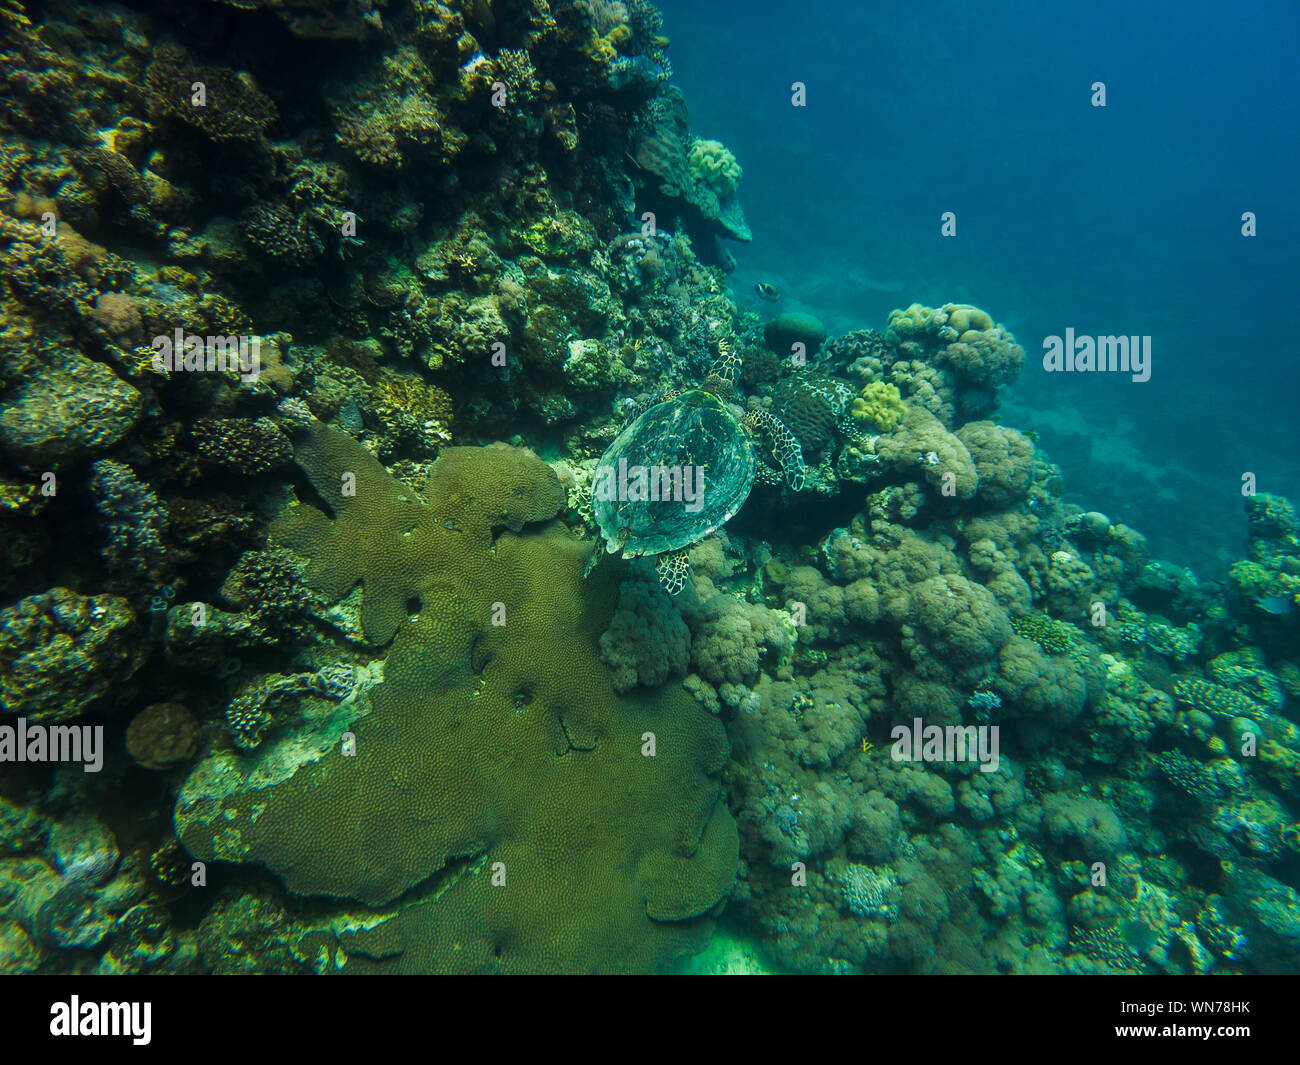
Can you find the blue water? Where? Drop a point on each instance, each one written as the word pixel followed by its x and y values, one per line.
pixel 1117 220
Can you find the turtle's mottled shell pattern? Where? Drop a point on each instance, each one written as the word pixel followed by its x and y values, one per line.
pixel 693 429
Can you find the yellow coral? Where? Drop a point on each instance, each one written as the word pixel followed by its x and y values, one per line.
pixel 713 165
pixel 414 408
pixel 880 405
pixel 22 498
pixel 620 36
pixel 602 49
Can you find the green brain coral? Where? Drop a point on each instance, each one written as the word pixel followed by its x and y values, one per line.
pixel 711 163
pixel 500 812
pixel 879 405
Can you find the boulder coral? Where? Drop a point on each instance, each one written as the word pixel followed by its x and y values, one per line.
pixel 647 641
pixel 162 735
pixel 1004 461
pixel 952 623
pixel 921 448
pixel 794 327
pixel 64 654
pixel 973 355
pixel 60 416
pixel 501 812
pixel 730 636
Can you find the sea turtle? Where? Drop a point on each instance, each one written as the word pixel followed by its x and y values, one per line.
pixel 683 466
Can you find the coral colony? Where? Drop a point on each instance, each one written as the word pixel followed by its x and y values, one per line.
pixel 402 405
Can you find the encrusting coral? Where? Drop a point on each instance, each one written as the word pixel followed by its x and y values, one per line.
pixel 519 735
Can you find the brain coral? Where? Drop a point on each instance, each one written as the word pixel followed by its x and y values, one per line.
pixel 811 404
pixel 499 811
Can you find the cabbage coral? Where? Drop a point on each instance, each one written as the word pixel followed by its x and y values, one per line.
pixel 712 164
pixel 880 406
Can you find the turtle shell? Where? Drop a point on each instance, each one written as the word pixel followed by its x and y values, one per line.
pixel 648 494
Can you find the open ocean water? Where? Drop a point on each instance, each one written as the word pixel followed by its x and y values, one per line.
pixel 1122 219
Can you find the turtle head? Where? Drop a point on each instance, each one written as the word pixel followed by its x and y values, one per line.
pixel 615 545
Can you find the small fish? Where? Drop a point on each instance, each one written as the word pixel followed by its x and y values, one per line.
pixel 1275 604
pixel 767 291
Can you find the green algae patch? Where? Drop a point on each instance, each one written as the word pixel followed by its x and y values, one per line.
pixel 501 810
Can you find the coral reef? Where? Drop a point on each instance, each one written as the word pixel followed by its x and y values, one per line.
pixel 361 667
pixel 523 740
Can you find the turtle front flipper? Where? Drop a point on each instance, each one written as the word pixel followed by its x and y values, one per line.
pixel 726 367
pixel 783 444
pixel 673 571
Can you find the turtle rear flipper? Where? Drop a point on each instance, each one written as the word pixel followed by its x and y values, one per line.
pixel 673 570
pixel 782 443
